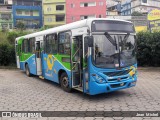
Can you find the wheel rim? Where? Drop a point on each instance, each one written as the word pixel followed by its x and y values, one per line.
pixel 65 81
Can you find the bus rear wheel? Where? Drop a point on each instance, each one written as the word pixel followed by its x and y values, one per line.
pixel 28 71
pixel 64 81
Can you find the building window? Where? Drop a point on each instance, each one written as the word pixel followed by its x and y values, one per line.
pixel 100 16
pixel 89 16
pixel 60 18
pixel 85 17
pixel 6 16
pixel 10 26
pixel 72 5
pixel 19 3
pixel 37 3
pixel 4 26
pixel 9 7
pixel 64 43
pixel 31 13
pixel 27 12
pixel 49 9
pixel 27 3
pixel 1 1
pixel 85 4
pixel 144 1
pixel 51 44
pixel 88 4
pixel 59 7
pixel 100 3
pixel 19 12
pixel 49 19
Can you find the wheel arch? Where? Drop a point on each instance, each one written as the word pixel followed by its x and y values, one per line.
pixel 60 73
pixel 25 65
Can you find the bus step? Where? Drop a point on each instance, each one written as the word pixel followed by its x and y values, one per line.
pixel 79 89
pixel 41 77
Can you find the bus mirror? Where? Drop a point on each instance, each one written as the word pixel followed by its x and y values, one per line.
pixel 89 40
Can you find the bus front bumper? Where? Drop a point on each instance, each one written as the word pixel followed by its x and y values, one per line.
pixel 96 88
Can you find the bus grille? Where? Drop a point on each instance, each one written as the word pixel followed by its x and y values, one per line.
pixel 116 79
pixel 118 85
pixel 118 73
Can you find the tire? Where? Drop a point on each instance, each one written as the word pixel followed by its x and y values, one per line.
pixel 28 71
pixel 64 82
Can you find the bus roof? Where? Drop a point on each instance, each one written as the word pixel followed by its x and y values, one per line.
pixel 78 24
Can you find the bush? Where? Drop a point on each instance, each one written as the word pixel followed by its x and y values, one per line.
pixel 11 36
pixel 7 54
pixel 7 47
pixel 148 45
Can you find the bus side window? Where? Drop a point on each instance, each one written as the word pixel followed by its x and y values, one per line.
pixel 32 45
pixel 64 39
pixel 25 46
pixel 44 44
pixel 51 44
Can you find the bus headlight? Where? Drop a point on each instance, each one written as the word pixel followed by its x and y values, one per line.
pixel 98 78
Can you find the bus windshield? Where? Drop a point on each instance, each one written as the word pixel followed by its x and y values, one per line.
pixel 112 51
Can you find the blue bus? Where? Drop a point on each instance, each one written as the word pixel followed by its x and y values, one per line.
pixel 92 56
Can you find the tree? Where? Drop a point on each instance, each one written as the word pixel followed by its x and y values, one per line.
pixel 21 26
pixel 11 37
pixel 136 13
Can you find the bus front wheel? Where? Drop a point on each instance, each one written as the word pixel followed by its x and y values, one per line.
pixel 28 71
pixel 64 81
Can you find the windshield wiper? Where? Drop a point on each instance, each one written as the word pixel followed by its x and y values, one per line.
pixel 110 39
pixel 126 38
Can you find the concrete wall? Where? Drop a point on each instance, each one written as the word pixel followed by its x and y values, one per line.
pixel 75 9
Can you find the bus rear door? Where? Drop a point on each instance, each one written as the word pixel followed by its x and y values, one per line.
pixel 39 46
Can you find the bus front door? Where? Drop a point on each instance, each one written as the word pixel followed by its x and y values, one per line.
pixel 77 63
pixel 38 56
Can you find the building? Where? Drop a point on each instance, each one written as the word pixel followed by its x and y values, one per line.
pixel 144 6
pixel 29 12
pixel 6 18
pixel 113 7
pixel 126 8
pixel 54 12
pixel 83 9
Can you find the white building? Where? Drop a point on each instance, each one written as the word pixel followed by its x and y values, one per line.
pixel 144 6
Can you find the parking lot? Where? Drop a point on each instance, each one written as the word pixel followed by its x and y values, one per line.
pixel 21 93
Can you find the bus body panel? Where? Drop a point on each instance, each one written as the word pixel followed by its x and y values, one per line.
pixel 125 81
pixel 31 63
pixel 52 66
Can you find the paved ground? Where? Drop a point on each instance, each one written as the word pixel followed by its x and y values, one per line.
pixel 19 92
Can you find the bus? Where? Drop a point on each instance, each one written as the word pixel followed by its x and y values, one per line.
pixel 92 56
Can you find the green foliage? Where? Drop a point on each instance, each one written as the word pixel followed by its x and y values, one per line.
pixel 11 37
pixel 136 13
pixel 7 47
pixel 148 45
pixel 20 26
pixel 3 37
pixel 7 53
